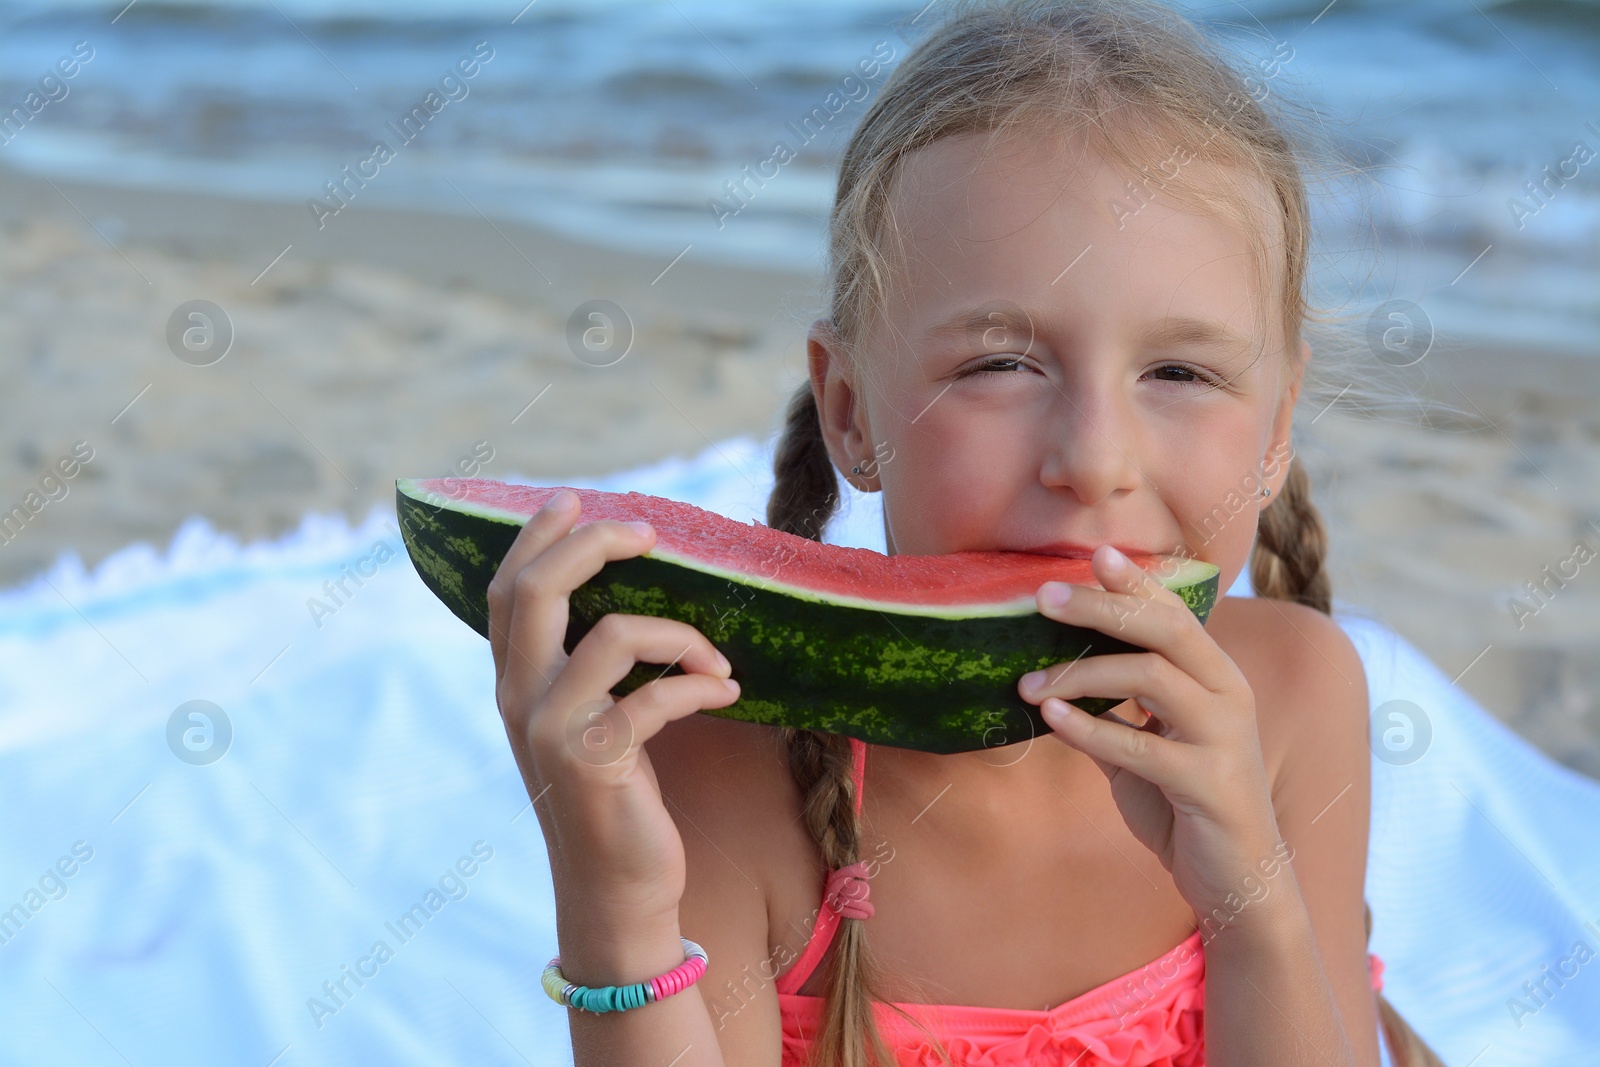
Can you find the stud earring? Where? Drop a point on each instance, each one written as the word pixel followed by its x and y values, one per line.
pixel 1266 491
pixel 856 469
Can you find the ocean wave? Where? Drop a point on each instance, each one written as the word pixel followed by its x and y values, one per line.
pixel 623 120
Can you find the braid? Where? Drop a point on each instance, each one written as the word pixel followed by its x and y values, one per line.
pixel 820 763
pixel 1406 1047
pixel 806 490
pixel 1291 546
pixel 804 496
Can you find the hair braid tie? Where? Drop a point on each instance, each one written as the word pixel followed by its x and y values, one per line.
pixel 847 890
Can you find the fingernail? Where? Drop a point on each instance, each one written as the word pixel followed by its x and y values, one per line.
pixel 560 500
pixel 1115 560
pixel 1055 594
pixel 641 527
pixel 1032 680
pixel 722 661
pixel 733 686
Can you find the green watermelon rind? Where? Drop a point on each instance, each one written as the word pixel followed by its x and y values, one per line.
pixel 925 680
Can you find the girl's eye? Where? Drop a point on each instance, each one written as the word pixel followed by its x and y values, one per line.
pixel 994 365
pixel 1182 375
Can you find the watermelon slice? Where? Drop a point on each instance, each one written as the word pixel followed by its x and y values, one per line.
pixel 919 652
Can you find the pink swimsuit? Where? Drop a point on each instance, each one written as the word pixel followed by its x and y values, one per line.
pixel 1150 1017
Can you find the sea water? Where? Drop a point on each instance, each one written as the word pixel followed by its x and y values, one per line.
pixel 712 127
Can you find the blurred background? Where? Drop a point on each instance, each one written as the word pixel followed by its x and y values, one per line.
pixel 222 299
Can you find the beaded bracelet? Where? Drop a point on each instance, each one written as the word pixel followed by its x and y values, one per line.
pixel 621 998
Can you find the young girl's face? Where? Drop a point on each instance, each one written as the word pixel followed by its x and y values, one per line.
pixel 1045 378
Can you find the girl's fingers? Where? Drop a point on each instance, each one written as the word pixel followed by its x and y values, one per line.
pixel 1160 688
pixel 609 651
pixel 536 622
pixel 1136 608
pixel 548 524
pixel 1158 760
pixel 601 736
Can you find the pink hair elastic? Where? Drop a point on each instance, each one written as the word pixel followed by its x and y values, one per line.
pixel 847 890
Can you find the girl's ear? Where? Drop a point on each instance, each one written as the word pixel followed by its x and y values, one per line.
pixel 843 418
pixel 1273 465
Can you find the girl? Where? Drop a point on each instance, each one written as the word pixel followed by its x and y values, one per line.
pixel 1068 263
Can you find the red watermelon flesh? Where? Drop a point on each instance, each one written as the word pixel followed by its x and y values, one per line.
pixel 976 582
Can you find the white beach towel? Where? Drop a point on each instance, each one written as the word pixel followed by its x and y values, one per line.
pixel 231 912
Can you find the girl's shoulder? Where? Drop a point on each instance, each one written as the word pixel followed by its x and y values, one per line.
pixel 1309 684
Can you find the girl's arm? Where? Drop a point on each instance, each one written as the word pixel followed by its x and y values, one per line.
pixel 1191 784
pixel 617 859
pixel 1313 708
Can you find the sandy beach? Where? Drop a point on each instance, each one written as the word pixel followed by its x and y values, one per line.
pixel 402 344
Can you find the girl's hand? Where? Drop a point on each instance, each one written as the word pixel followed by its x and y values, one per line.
pixel 614 849
pixel 1189 778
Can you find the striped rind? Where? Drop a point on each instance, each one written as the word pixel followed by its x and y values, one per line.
pixel 921 680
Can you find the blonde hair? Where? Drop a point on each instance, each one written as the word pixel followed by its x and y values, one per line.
pixel 1136 76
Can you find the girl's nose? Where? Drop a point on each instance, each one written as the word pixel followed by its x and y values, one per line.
pixel 1091 448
